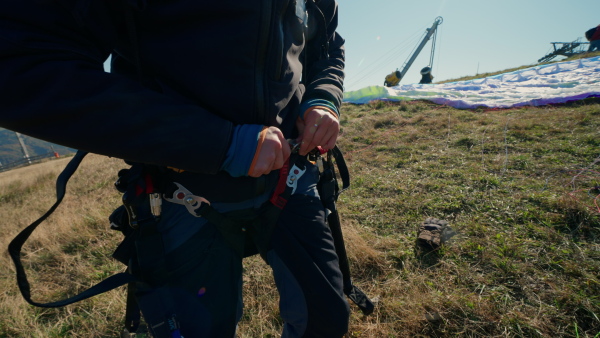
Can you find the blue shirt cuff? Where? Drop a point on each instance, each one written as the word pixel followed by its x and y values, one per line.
pixel 316 102
pixel 241 149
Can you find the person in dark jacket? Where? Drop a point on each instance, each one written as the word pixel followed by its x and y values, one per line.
pixel 594 39
pixel 207 94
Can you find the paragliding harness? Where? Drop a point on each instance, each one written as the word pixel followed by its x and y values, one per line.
pixel 139 233
pixel 144 184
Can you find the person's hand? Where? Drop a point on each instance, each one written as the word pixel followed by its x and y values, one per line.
pixel 272 152
pixel 319 128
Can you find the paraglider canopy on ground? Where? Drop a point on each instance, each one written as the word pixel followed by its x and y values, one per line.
pixel 535 86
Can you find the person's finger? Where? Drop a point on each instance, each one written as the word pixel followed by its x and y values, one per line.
pixel 286 151
pixel 308 139
pixel 320 128
pixel 330 144
pixel 271 153
pixel 263 163
pixel 330 139
pixel 321 134
pixel 278 160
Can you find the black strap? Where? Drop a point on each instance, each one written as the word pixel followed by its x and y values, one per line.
pixel 329 182
pixel 342 168
pixel 132 310
pixel 15 246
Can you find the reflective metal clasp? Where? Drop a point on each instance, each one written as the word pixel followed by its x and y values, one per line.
pixel 294 176
pixel 185 197
pixel 294 146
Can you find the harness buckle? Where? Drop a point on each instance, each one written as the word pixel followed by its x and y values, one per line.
pixel 155 204
pixel 184 197
pixel 293 177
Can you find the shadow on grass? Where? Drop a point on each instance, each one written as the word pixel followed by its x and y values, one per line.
pixel 426 255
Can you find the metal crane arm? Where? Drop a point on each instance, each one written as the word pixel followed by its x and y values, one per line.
pixel 430 31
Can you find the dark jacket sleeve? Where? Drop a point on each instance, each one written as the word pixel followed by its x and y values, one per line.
pixel 325 54
pixel 53 87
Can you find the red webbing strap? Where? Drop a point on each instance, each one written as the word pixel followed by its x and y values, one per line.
pixel 277 199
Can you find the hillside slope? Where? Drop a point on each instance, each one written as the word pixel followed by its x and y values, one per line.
pixel 520 187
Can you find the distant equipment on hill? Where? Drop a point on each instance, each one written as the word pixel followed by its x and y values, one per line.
pixel 17 150
pixel 567 49
pixel 394 78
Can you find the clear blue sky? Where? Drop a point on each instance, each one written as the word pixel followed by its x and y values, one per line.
pixel 476 35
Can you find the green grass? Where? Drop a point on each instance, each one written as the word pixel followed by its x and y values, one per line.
pixel 521 188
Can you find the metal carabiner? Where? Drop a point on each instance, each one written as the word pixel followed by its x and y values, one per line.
pixel 185 197
pixel 294 146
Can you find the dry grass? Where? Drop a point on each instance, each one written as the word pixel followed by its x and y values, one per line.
pixel 68 252
pixel 520 186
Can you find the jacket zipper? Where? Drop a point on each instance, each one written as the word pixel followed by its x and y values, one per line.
pixel 261 58
pixel 279 53
pixel 260 82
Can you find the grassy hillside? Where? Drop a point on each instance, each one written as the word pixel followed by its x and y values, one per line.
pixel 520 187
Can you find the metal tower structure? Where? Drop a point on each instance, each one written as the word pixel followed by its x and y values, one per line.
pixel 565 49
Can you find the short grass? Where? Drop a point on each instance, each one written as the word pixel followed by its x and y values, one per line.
pixel 520 187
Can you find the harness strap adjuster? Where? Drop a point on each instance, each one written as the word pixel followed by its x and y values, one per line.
pixel 184 197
